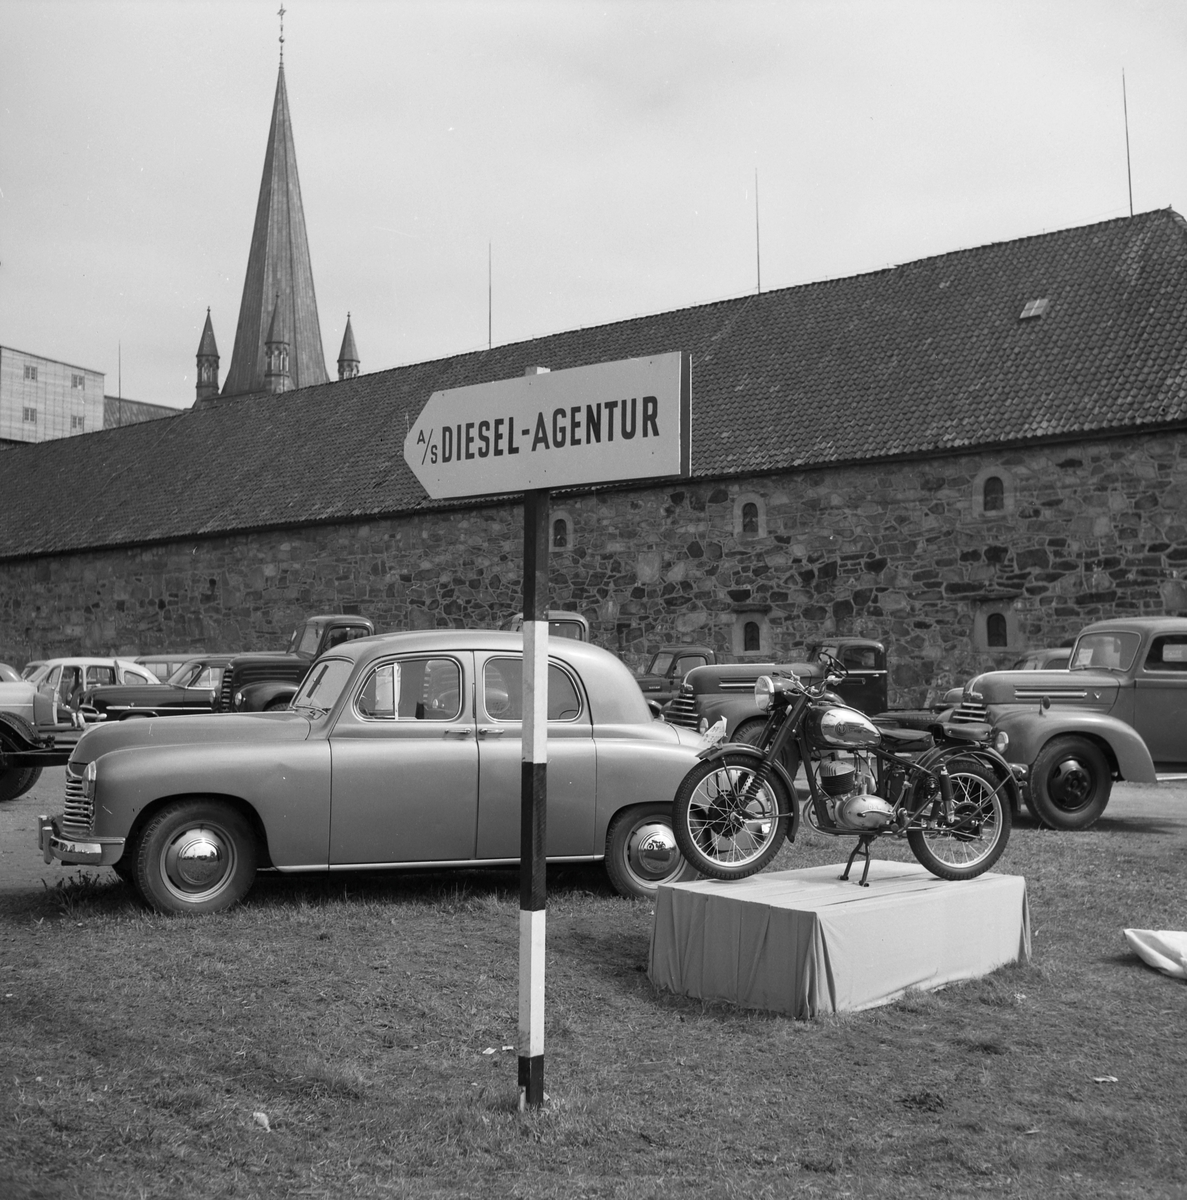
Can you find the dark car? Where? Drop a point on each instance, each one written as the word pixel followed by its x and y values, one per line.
pixel 192 688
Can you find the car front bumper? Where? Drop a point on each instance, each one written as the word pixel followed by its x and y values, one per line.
pixel 87 851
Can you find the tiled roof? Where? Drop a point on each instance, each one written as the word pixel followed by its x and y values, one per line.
pixel 932 355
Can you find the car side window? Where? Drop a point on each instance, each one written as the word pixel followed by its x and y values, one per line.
pixel 1168 653
pixel 412 689
pixel 136 677
pixel 502 691
pixel 102 676
pixel 208 678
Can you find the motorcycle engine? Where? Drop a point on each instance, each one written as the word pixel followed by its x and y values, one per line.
pixel 852 807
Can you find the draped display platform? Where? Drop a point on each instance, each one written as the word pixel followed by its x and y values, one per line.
pixel 804 942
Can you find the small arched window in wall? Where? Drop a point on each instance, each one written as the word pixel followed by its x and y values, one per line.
pixel 750 516
pixel 993 493
pixel 751 633
pixel 995 627
pixel 560 536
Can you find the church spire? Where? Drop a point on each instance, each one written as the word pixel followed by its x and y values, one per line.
pixel 348 356
pixel 207 362
pixel 278 265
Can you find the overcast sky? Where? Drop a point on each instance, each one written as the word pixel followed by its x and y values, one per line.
pixel 605 152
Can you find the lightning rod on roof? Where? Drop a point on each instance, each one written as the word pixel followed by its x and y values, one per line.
pixel 1128 173
pixel 757 245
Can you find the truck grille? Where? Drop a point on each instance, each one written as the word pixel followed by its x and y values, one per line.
pixel 967 712
pixel 683 711
pixel 78 814
pixel 225 692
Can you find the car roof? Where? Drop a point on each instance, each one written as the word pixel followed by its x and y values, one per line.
pixel 78 660
pixel 615 695
pixel 1138 625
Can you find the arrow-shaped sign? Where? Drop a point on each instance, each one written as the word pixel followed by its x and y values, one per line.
pixel 605 423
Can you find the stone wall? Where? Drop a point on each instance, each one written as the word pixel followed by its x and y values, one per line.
pixel 901 551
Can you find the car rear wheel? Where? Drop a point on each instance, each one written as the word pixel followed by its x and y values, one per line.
pixel 16 734
pixel 1070 783
pixel 195 856
pixel 641 851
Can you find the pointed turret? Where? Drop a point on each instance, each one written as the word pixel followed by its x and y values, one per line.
pixel 348 356
pixel 207 362
pixel 278 265
pixel 277 343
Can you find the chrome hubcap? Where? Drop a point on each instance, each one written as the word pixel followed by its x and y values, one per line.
pixel 653 852
pixel 197 860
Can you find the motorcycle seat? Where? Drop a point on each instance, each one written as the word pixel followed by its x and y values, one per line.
pixel 897 739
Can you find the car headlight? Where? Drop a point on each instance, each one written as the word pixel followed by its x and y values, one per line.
pixel 1001 741
pixel 764 690
pixel 237 700
pixel 89 774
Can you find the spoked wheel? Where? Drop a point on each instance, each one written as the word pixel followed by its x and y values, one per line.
pixel 977 834
pixel 729 823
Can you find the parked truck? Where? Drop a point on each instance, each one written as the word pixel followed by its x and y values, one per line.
pixel 267 680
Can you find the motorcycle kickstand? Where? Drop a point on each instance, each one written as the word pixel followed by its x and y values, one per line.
pixel 862 847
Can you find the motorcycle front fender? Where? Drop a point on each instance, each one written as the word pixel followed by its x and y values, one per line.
pixel 746 750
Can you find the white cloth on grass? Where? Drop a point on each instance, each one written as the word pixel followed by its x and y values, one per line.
pixel 1163 949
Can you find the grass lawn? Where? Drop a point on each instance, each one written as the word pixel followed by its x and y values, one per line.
pixel 353 1037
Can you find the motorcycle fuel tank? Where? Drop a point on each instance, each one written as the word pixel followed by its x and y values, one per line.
pixel 844 727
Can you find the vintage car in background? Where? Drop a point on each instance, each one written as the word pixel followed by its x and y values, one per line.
pixel 192 688
pixel 1054 658
pixel 1118 712
pixel 398 751
pixel 667 667
pixel 35 732
pixel 68 678
pixel 266 680
pixel 726 692
pixel 163 665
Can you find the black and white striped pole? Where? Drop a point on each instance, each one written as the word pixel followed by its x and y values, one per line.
pixel 533 886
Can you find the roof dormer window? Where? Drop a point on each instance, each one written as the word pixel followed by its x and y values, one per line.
pixel 1034 308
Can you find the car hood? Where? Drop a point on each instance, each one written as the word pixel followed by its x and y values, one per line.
pixel 1092 689
pixel 220 729
pixel 16 693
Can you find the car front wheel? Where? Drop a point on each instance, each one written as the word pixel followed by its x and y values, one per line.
pixel 1070 783
pixel 195 856
pixel 641 851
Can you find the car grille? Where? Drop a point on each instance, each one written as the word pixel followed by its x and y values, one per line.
pixel 78 815
pixel 224 692
pixel 967 712
pixel 683 711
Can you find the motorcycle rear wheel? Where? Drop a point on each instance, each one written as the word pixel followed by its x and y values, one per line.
pixel 728 823
pixel 979 831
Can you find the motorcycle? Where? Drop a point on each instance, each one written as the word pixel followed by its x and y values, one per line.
pixel 947 791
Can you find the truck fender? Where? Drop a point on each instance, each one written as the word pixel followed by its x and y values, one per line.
pixel 735 709
pixel 749 751
pixel 257 696
pixel 1030 730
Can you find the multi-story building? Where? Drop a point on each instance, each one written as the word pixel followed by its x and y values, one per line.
pixel 42 398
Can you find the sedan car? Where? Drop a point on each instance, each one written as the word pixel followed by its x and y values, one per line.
pixel 402 750
pixel 191 688
pixel 68 678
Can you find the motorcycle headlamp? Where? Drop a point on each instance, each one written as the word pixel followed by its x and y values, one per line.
pixel 764 692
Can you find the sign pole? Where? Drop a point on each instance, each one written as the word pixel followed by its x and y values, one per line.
pixel 533 886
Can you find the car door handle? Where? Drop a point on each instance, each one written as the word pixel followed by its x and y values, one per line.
pixel 459 731
pixel 490 731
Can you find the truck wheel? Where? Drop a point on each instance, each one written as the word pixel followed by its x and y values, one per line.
pixel 16 734
pixel 641 851
pixel 1070 783
pixel 195 856
pixel 749 732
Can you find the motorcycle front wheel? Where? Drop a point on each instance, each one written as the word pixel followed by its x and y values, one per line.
pixel 977 834
pixel 728 822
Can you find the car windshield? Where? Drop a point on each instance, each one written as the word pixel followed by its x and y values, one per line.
pixel 38 676
pixel 323 685
pixel 1105 651
pixel 184 674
